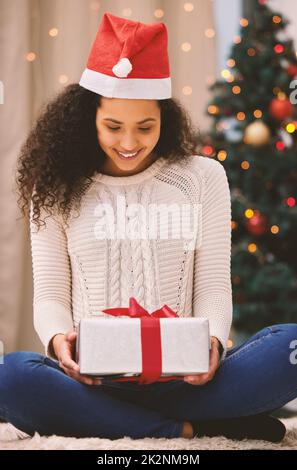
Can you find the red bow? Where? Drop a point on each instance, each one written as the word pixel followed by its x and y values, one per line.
pixel 150 338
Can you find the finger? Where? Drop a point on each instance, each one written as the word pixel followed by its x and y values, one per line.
pixel 190 377
pixel 198 376
pixel 71 342
pixel 66 356
pixel 67 362
pixel 214 364
pixel 208 377
pixel 201 380
pixel 97 382
pixel 84 378
pixel 214 360
pixel 204 378
pixel 79 377
pixel 195 380
pixel 211 372
pixel 71 335
pixel 89 380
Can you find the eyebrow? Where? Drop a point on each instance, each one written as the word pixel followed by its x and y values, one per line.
pixel 139 122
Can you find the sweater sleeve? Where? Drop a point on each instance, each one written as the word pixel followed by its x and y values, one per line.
pixel 52 313
pixel 212 289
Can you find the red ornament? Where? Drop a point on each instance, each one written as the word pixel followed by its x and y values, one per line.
pixel 292 70
pixel 281 108
pixel 280 145
pixel 207 150
pixel 291 201
pixel 278 48
pixel 258 224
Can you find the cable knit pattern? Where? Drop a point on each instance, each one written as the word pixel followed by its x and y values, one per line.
pixel 147 253
pixel 114 256
pixel 86 267
pixel 135 248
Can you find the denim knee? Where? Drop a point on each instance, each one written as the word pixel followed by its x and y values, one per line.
pixel 287 332
pixel 16 362
pixel 285 335
pixel 22 356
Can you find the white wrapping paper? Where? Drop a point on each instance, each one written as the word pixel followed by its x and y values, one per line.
pixel 112 346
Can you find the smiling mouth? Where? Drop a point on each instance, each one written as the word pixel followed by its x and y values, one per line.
pixel 128 156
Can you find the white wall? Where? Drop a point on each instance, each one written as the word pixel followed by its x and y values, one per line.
pixel 226 19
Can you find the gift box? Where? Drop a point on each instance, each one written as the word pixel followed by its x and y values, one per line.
pixel 135 345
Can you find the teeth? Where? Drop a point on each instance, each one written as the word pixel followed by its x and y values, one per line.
pixel 128 154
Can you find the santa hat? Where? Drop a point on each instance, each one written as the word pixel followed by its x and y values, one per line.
pixel 128 59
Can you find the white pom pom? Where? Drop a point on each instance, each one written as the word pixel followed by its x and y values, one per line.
pixel 122 68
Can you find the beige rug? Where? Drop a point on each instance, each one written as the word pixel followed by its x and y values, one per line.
pixel 12 438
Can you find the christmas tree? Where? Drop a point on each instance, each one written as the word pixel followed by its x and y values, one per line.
pixel 254 135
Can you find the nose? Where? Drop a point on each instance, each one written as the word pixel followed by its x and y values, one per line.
pixel 129 144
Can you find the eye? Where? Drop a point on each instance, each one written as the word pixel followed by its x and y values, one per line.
pixel 117 128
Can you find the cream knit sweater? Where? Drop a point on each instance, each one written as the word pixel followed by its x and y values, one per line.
pixel 87 267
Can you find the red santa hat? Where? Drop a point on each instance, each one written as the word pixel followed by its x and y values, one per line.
pixel 128 59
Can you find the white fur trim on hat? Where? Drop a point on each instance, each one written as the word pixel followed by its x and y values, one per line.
pixel 122 68
pixel 137 88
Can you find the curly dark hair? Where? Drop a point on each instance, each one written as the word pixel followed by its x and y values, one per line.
pixel 62 151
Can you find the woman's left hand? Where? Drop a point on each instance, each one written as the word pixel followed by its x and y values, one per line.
pixel 214 364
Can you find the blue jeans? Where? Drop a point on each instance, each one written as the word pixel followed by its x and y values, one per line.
pixel 254 378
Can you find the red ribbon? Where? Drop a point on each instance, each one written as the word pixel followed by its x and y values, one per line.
pixel 150 339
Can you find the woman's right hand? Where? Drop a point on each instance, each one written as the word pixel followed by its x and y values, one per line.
pixel 64 348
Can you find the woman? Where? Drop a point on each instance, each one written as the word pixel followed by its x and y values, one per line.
pixel 107 138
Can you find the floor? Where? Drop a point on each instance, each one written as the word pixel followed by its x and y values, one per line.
pixel 11 438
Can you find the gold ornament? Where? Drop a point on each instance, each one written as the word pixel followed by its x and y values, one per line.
pixel 256 134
